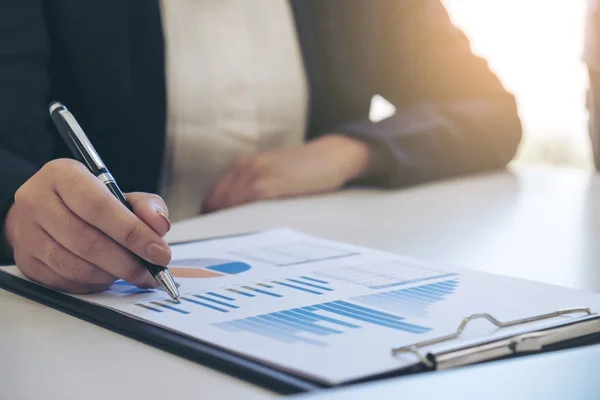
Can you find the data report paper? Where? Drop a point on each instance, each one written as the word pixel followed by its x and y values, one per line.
pixel 325 310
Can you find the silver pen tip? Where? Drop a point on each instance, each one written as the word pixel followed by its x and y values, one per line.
pixel 166 281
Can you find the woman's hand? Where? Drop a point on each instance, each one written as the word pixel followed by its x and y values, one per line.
pixel 321 165
pixel 67 231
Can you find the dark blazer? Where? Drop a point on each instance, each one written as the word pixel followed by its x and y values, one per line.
pixel 104 60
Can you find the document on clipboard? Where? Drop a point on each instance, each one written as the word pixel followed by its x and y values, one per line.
pixel 334 313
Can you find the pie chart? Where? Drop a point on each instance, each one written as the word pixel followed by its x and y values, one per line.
pixel 206 268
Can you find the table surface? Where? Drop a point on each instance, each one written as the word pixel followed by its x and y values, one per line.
pixel 540 224
pixel 570 374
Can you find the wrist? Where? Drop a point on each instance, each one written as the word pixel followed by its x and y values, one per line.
pixel 353 156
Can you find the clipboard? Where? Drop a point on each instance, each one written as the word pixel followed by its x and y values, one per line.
pixel 582 327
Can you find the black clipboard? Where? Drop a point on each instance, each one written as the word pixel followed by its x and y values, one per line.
pixel 206 353
pixel 195 350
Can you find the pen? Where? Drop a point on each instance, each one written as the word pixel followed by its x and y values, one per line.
pixel 84 152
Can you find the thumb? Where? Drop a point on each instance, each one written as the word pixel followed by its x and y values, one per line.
pixel 151 209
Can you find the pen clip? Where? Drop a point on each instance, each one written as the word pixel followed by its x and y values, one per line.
pixel 86 151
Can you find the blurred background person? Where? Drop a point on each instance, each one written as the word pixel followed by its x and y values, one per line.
pixel 217 103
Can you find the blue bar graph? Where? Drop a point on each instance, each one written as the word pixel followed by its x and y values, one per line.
pixel 411 281
pixel 415 301
pixel 314 280
pixel 222 303
pixel 220 296
pixel 281 288
pixel 168 307
pixel 219 302
pixel 147 307
pixel 262 291
pixel 206 305
pixel 303 289
pixel 312 285
pixel 241 293
pixel 313 324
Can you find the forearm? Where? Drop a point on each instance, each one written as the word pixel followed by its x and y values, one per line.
pixel 352 157
pixel 432 141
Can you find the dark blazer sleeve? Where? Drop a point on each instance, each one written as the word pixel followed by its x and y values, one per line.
pixel 25 143
pixel 453 114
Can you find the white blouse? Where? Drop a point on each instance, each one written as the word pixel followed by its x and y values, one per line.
pixel 236 86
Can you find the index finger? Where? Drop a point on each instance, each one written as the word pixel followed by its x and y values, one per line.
pixel 91 201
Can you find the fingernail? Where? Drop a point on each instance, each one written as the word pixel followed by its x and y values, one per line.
pixel 158 254
pixel 162 214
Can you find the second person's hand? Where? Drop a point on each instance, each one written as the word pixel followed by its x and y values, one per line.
pixel 320 165
pixel 67 231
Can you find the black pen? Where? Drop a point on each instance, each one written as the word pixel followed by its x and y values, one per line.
pixel 84 152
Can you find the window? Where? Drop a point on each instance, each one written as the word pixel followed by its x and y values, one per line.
pixel 535 47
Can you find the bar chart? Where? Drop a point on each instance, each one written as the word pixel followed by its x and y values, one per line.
pixel 415 301
pixel 311 324
pixel 283 287
pixel 232 298
pixel 188 303
pixel 385 274
pixel 294 253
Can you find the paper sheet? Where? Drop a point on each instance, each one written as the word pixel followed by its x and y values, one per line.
pixel 326 310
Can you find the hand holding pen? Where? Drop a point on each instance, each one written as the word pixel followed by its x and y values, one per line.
pixel 69 232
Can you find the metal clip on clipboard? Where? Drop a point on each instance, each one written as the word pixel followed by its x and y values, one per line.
pixel 529 342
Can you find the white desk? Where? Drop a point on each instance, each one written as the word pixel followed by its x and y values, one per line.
pixel 568 374
pixel 538 224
